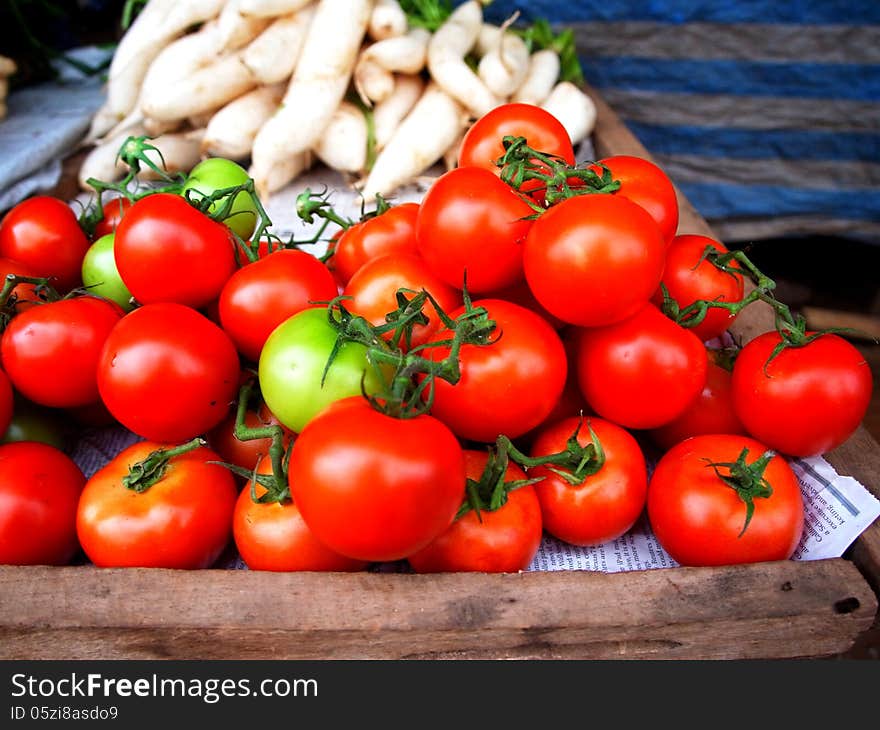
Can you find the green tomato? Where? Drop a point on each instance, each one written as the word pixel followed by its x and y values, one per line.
pixel 217 173
pixel 31 422
pixel 100 275
pixel 292 364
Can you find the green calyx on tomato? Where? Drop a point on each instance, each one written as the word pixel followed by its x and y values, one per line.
pixel 222 189
pixel 747 480
pixel 490 492
pixel 150 470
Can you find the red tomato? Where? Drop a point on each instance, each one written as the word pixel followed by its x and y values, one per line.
pixel 39 491
pixel 807 400
pixel 182 521
pixel 506 387
pixel 711 412
pixel 24 294
pixel 687 282
pixel 168 373
pixel 373 487
pixel 502 541
pixel 645 184
pixel 594 260
pixel 471 222
pixel 394 231
pixel 50 352
pixel 260 296
pixel 167 251
pixel 43 234
pixel 246 454
pixel 373 291
pixel 274 536
pixel 114 210
pixel 699 519
pixel 642 372
pixel 7 402
pixel 605 505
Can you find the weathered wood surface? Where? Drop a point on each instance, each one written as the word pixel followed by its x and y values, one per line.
pixel 782 609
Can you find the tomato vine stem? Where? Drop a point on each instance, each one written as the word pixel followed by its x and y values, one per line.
pixel 747 480
pixel 145 473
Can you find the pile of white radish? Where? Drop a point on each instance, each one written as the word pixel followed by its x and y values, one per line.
pixel 277 84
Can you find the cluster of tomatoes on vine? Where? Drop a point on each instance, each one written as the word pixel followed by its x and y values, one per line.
pixel 451 381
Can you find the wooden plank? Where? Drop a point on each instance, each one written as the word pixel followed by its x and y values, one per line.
pixel 862 326
pixel 781 609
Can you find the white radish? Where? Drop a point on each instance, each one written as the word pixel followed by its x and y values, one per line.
pixel 372 82
pixel 543 73
pixel 388 114
pixel 487 39
pixel 141 33
pixel 316 89
pixel 100 163
pixel 283 170
pixel 271 8
pixel 446 53
pixel 343 146
pixel 573 108
pixel 273 55
pixel 155 127
pixel 421 139
pixel 504 67
pixel 237 30
pixel 180 152
pixel 387 20
pixel 403 54
pixel 124 86
pixel 230 132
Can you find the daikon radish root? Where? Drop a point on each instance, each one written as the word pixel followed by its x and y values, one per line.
pixel 343 146
pixel 100 163
pixel 402 54
pixel 124 87
pixel 446 53
pixel 140 34
pixel 573 108
pixel 387 20
pixel 450 157
pixel 271 8
pixel 487 39
pixel 273 55
pixel 421 139
pixel 155 127
pixel 372 82
pixel 230 132
pixel 541 78
pixel 283 170
pixel 316 89
pixel 504 67
pixel 180 152
pixel 237 30
pixel 388 114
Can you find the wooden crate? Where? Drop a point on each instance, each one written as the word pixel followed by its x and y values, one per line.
pixel 768 610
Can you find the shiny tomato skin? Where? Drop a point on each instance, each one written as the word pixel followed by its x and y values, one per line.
pixel 688 278
pixel 260 296
pixel 50 352
pixel 605 505
pixel 808 400
pixel 503 541
pixel 373 487
pixel 394 231
pixel 506 387
pixel 642 372
pixel 40 488
pixel 373 291
pixel 7 403
pixel 25 294
pixel 43 234
pixel 183 521
pixel 273 536
pixel 472 223
pixel 168 373
pixel 114 211
pixel 167 251
pixel 594 260
pixel 697 518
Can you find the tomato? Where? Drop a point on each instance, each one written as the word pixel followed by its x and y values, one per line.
pixel 100 275
pixel 688 278
pixel 373 487
pixel 7 403
pixel 606 504
pixel 594 260
pixel 39 490
pixel 500 541
pixel 711 412
pixel 246 454
pixel 645 184
pixel 642 372
pixel 25 294
pixel 166 251
pixel 394 231
pixel 43 234
pixel 274 536
pixel 31 422
pixel 114 211
pixel 506 387
pixel 699 519
pixel 373 291
pixel 184 520
pixel 217 173
pixel 291 369
pixel 260 296
pixel 50 352
pixel 482 143
pixel 168 373
pixel 472 223
pixel 808 400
